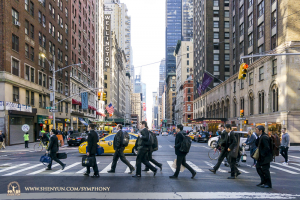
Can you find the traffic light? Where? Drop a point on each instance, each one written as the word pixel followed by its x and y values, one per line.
pixel 99 96
pixel 104 96
pixel 46 121
pixel 245 121
pixel 242 113
pixel 243 71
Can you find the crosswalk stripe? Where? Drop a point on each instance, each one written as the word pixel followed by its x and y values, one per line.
pixel 170 146
pixel 294 164
pixel 294 156
pixel 83 170
pixel 21 170
pixel 128 169
pixel 159 146
pixel 5 164
pixel 288 171
pixel 211 165
pixel 9 168
pixel 243 171
pixel 68 167
pixel 108 167
pixel 294 168
pixel 41 170
pixel 197 169
pixel 170 164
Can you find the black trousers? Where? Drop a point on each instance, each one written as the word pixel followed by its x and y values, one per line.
pixel 181 160
pixel 264 173
pixel 95 167
pixel 150 159
pixel 142 158
pixel 26 144
pixel 284 153
pixel 53 157
pixel 222 155
pixel 232 163
pixel 119 153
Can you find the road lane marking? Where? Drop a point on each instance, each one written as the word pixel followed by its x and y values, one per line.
pixel 294 156
pixel 41 170
pixel 288 171
pixel 128 169
pixel 68 167
pixel 243 171
pixel 5 164
pixel 9 168
pixel 171 146
pixel 196 168
pixel 211 165
pixel 21 170
pixel 108 167
pixel 153 195
pixel 84 169
pixel 170 164
pixel 294 168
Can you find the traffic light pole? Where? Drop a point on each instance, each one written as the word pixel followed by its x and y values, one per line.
pixel 263 55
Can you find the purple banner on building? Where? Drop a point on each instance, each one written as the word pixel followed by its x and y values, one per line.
pixel 206 81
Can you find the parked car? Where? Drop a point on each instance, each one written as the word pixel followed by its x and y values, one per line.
pixel 212 142
pixel 203 137
pixel 77 138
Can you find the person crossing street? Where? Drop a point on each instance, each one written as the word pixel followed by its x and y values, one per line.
pixel 285 144
pixel 119 151
pixel 53 149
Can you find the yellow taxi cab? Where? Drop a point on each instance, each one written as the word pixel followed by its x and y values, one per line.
pixel 107 144
pixel 191 135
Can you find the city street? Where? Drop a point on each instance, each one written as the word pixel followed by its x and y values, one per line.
pixel 23 166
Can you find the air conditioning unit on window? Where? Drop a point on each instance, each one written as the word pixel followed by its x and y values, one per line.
pixel 62 26
pixel 17 23
pixel 41 1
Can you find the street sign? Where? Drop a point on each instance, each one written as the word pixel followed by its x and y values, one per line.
pixel 165 121
pixel 51 96
pixel 241 118
pixel 52 110
pixel 25 128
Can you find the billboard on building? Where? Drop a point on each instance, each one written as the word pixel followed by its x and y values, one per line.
pixel 107 41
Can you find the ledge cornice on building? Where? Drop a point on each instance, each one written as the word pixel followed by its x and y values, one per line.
pixel 280 49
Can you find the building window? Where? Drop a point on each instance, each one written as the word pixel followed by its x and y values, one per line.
pixel 251 78
pixel 32 53
pixel 216 57
pixel 27 98
pixel 26 50
pixel 242 104
pixel 15 42
pixel 216 46
pixel 216 24
pixel 40 101
pixel 227 57
pixel 242 47
pixel 40 17
pixel 27 72
pixel 15 16
pixel 261 8
pixel 15 94
pixel 261 73
pixel 250 40
pixel 189 108
pixel 32 98
pixel 250 20
pixel 275 99
pixel 274 67
pixel 261 48
pixel 32 75
pixel 242 29
pixel 216 35
pixel 227 46
pixel 216 68
pixel 216 3
pixel 15 67
pixel 189 99
pixel 26 5
pixel 40 78
pixel 234 108
pixel 188 62
pixel 226 24
pixel 273 42
pixel 250 3
pixel 31 9
pixel 187 48
pixel 241 11
pixel 234 86
pixel 261 29
pixel 274 18
pixel 227 68
pixel 187 55
pixel 44 80
pixel 242 83
pixel 251 102
pixel 261 103
pixel 226 35
pixel 226 13
pixel 216 13
pixel 67 107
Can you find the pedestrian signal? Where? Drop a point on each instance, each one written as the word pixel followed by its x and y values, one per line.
pixel 99 96
pixel 104 96
pixel 241 113
pixel 243 71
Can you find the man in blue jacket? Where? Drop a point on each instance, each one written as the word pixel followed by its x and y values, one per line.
pixel 181 160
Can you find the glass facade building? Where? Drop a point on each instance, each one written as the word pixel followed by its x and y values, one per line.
pixel 187 20
pixel 173 32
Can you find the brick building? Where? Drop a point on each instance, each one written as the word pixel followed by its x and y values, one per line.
pixel 188 99
pixel 28 28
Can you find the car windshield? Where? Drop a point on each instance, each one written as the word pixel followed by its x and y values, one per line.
pixel 76 134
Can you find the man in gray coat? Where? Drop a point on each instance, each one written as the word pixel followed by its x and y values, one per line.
pixel 285 144
pixel 251 142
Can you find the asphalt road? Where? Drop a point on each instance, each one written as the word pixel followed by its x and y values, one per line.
pixel 35 183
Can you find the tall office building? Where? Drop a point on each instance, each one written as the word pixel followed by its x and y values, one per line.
pixel 187 20
pixel 162 79
pixel 173 32
pixel 211 41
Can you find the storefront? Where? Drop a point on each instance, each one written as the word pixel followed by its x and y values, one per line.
pixel 67 124
pixel 208 124
pixel 83 123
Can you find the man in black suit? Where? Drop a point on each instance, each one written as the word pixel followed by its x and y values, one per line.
pixel 53 149
pixel 119 151
pixel 141 157
pixel 232 151
pixel 92 150
pixel 263 142
pixel 181 160
pixel 221 144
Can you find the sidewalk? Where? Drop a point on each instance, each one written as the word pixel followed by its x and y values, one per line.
pixel 21 148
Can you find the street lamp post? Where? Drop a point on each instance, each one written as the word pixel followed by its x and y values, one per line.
pixel 53 82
